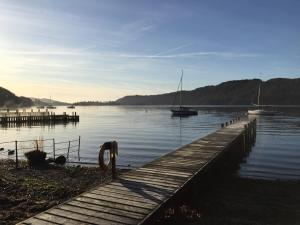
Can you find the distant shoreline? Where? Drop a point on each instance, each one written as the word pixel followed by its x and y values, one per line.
pixel 149 105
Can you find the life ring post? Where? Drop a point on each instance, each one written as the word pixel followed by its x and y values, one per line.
pixel 113 154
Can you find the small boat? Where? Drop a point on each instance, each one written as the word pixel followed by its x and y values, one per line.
pixel 71 106
pixel 260 110
pixel 41 107
pixel 50 106
pixel 182 111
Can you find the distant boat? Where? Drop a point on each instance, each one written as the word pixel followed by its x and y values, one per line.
pixel 181 110
pixel 50 106
pixel 260 108
pixel 41 107
pixel 71 106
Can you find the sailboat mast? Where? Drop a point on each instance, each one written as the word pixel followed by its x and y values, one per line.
pixel 180 97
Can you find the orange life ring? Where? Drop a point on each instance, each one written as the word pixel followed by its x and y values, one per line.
pixel 102 164
pixel 113 150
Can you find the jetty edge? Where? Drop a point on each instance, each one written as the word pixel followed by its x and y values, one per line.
pixel 36 117
pixel 136 196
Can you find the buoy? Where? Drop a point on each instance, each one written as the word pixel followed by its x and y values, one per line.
pixel 113 151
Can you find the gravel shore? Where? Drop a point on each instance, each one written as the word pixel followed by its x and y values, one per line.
pixel 25 192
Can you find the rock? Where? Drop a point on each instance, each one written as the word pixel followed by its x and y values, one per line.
pixel 60 160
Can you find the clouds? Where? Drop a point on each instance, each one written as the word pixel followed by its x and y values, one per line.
pixel 133 47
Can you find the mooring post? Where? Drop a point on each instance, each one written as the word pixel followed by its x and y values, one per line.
pixel 254 130
pixel 222 125
pixel 16 149
pixel 113 154
pixel 79 149
pixel 68 150
pixel 246 137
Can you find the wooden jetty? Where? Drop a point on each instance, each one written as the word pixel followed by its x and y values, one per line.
pixel 136 196
pixel 34 117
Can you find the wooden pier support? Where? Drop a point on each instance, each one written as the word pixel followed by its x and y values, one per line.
pixel 42 117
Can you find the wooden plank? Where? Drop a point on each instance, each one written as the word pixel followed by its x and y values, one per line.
pixel 169 183
pixel 131 191
pixel 38 222
pixel 59 219
pixel 165 171
pixel 149 183
pixel 145 185
pixel 81 218
pixel 167 179
pixel 123 197
pixel 106 209
pixel 159 175
pixel 190 170
pixel 114 205
pixel 97 214
pixel 138 187
pixel 120 201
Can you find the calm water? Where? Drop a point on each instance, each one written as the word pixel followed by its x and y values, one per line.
pixel 145 133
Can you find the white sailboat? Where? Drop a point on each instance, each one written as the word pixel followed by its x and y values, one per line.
pixel 260 110
pixel 181 110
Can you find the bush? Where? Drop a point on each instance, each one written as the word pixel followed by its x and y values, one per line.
pixel 36 157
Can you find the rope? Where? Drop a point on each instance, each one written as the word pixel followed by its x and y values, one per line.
pixel 7 142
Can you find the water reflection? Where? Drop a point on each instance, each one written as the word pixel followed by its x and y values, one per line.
pixel 276 154
pixel 147 132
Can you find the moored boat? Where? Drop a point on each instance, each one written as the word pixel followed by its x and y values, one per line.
pixel 71 106
pixel 260 110
pixel 181 110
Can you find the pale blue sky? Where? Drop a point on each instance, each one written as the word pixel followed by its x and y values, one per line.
pixel 104 49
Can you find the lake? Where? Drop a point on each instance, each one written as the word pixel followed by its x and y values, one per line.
pixel 147 132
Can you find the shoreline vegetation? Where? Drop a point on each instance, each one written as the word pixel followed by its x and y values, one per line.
pixel 26 191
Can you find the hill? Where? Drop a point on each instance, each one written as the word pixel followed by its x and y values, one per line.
pixel 94 103
pixel 46 101
pixel 9 99
pixel 278 91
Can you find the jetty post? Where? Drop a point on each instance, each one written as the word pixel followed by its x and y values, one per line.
pixel 53 148
pixel 16 150
pixel 68 150
pixel 78 149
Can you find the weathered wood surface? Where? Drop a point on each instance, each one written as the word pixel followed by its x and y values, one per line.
pixel 136 195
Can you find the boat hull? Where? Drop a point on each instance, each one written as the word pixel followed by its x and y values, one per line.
pixel 261 112
pixel 184 113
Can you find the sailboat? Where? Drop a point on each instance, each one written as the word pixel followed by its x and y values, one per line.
pixel 50 106
pixel 260 110
pixel 71 106
pixel 181 110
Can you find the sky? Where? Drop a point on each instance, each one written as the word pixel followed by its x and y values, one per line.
pixel 76 50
